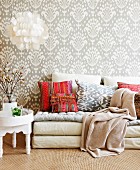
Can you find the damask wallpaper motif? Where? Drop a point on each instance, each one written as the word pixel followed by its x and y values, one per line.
pixel 85 36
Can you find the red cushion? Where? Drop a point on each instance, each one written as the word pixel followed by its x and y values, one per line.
pixel 62 87
pixel 45 89
pixel 62 102
pixel 132 87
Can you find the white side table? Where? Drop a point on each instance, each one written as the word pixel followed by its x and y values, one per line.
pixel 10 124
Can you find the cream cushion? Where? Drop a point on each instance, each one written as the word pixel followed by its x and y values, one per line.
pixel 57 128
pixel 72 129
pixel 58 77
pixel 73 142
pixel 112 81
pixel 56 141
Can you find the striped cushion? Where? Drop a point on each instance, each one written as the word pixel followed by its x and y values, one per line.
pixel 45 89
pixel 132 87
pixel 62 87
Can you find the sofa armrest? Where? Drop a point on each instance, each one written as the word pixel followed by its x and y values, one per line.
pixel 137 104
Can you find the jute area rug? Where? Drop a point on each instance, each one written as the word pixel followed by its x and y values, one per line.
pixel 66 159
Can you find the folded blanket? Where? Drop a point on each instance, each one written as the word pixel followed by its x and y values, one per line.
pixel 103 131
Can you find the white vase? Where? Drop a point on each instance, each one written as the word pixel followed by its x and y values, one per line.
pixel 7 107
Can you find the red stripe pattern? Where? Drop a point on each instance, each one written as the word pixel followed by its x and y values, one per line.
pixel 45 89
pixel 132 87
pixel 62 87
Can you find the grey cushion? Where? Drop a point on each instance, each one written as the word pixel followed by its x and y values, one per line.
pixel 93 97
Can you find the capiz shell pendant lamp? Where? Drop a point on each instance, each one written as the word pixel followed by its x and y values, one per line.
pixel 27 31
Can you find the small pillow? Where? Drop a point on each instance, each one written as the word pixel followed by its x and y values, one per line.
pixel 62 87
pixel 45 89
pixel 62 102
pixel 132 87
pixel 92 97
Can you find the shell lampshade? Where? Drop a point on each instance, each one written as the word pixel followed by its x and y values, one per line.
pixel 27 31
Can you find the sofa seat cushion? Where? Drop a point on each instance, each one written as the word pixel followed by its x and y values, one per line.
pixel 72 129
pixel 57 128
pixel 56 141
pixel 69 116
pixel 73 142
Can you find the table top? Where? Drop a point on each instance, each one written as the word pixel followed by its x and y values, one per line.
pixel 8 120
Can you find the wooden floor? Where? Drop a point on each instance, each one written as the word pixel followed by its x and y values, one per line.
pixel 66 159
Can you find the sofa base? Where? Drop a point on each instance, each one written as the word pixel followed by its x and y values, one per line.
pixel 56 141
pixel 73 142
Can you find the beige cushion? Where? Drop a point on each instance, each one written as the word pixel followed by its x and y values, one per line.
pixel 57 128
pixel 57 77
pixel 132 143
pixel 112 81
pixel 72 129
pixel 72 142
pixel 56 141
pixel 133 132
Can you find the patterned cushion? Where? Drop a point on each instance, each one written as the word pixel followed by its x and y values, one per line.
pixel 133 87
pixel 137 104
pixel 62 102
pixel 92 97
pixel 62 87
pixel 45 89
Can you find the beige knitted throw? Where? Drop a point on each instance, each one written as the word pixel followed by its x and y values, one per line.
pixel 103 131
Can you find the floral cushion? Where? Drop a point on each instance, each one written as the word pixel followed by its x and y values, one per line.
pixel 62 102
pixel 92 97
pixel 45 89
pixel 62 87
pixel 132 87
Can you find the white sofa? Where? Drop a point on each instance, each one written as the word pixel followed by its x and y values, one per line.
pixel 56 131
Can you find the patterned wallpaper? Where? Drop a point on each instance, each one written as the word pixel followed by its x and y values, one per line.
pixel 85 36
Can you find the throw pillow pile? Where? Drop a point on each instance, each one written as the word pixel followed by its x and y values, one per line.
pixel 60 100
pixel 58 97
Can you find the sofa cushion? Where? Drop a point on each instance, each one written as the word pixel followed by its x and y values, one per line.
pixel 69 116
pixel 57 128
pixel 57 77
pixel 93 97
pixel 74 128
pixel 62 87
pixel 62 102
pixel 73 142
pixel 56 141
pixel 132 87
pixel 45 90
pixel 112 81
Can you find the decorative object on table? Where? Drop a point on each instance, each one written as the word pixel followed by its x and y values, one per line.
pixel 9 80
pixel 17 111
pixel 27 30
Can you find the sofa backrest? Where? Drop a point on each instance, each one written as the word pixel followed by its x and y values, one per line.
pixel 58 77
pixel 112 81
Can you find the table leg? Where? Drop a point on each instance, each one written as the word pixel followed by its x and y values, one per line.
pixel 1 146
pixel 14 140
pixel 28 148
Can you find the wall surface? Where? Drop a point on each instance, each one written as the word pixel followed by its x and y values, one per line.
pixel 85 36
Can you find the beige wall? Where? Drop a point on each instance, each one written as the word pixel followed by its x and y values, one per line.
pixel 86 36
